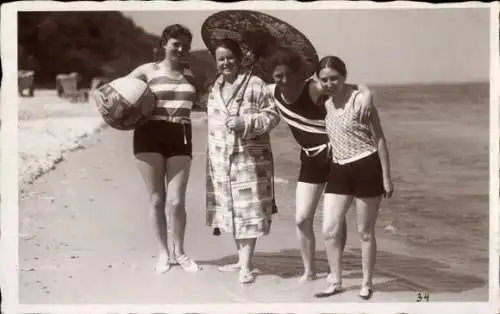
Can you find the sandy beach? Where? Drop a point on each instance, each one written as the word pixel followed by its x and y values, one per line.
pixel 49 127
pixel 85 222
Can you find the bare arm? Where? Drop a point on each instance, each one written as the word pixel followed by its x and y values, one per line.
pixel 383 151
pixel 315 90
pixel 140 72
pixel 271 88
pixel 365 105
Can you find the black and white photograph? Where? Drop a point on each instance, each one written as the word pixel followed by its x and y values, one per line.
pixel 280 153
pixel 295 312
pixel 300 312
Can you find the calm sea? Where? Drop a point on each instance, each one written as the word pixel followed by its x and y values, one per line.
pixel 438 143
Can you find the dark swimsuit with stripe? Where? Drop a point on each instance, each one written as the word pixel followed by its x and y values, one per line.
pixel 307 124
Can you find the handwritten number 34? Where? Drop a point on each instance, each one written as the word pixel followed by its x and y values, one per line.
pixel 423 297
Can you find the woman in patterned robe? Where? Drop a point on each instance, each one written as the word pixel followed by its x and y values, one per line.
pixel 241 113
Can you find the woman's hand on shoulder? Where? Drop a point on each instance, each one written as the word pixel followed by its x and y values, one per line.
pixel 315 90
pixel 364 104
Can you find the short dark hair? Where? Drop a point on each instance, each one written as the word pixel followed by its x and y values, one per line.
pixel 260 42
pixel 332 62
pixel 175 31
pixel 231 45
pixel 288 57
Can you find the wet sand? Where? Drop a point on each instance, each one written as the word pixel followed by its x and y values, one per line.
pixel 86 237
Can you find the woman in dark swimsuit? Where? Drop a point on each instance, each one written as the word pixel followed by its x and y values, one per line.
pixel 299 103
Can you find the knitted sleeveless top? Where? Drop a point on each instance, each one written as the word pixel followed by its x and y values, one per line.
pixel 351 140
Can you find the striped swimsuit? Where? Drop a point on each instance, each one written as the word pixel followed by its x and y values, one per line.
pixel 306 121
pixel 168 132
pixel 175 97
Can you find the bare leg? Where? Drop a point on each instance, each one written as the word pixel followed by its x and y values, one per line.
pixel 335 208
pixel 245 254
pixel 343 241
pixel 367 212
pixel 177 176
pixel 152 168
pixel 307 199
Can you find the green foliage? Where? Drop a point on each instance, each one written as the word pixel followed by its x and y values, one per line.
pixel 94 44
pixel 91 43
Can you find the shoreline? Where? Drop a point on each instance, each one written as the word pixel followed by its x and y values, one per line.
pixel 47 133
pixel 390 242
pixel 394 237
pixel 58 260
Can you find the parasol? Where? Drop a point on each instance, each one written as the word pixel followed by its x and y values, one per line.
pixel 258 33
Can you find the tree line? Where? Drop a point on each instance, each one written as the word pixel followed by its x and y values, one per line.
pixel 94 44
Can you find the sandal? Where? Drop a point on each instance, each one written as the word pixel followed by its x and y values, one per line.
pixel 333 289
pixel 366 292
pixel 229 268
pixel 187 264
pixel 246 276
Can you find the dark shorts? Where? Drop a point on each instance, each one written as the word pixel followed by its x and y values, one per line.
pixel 361 178
pixel 314 169
pixel 163 137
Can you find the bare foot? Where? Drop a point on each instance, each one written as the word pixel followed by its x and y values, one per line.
pixel 229 267
pixel 307 277
pixel 162 264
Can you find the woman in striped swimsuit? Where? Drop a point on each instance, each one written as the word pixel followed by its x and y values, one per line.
pixel 163 146
pixel 360 173
pixel 298 104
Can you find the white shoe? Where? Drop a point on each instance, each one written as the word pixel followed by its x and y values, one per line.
pixel 162 264
pixel 187 264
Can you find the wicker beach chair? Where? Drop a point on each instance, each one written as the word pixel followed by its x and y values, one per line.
pixel 25 80
pixel 67 87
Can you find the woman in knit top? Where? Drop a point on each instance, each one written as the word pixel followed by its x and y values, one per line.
pixel 360 173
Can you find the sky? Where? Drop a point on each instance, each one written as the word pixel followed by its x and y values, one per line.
pixel 379 46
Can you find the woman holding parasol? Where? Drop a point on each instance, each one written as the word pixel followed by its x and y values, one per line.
pixel 241 113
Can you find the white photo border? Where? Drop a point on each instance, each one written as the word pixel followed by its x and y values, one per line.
pixel 9 171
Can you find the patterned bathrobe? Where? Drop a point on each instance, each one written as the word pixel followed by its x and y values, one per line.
pixel 241 165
